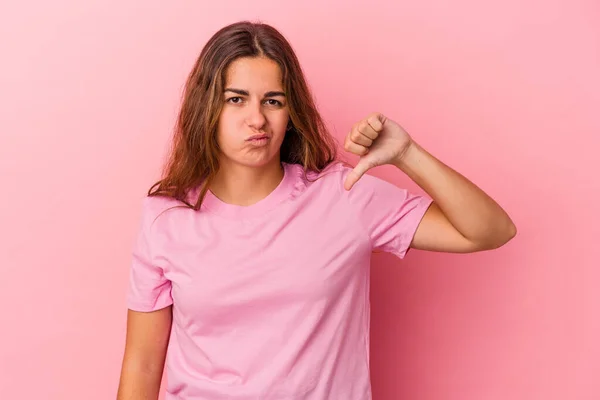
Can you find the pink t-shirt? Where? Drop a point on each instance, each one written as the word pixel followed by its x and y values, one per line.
pixel 271 301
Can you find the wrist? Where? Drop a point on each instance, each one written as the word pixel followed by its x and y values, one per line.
pixel 408 155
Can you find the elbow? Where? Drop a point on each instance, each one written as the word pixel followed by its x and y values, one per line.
pixel 504 236
pixel 497 238
pixel 512 231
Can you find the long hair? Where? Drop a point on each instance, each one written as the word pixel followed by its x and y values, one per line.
pixel 194 158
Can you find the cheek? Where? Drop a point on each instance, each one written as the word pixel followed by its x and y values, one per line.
pixel 279 122
pixel 226 130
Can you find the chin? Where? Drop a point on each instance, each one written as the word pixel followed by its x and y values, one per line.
pixel 255 160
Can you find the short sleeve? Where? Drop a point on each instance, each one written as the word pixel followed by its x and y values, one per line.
pixel 389 214
pixel 149 289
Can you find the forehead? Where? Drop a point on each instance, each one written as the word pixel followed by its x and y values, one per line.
pixel 258 73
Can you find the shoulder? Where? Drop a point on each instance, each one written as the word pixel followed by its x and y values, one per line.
pixel 329 184
pixel 335 174
pixel 332 175
pixel 307 182
pixel 154 208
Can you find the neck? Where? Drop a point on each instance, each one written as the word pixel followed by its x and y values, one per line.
pixel 241 185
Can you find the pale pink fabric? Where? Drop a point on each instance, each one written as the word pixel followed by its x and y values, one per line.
pixel 271 301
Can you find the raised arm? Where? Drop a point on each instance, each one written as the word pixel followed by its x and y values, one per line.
pixel 462 217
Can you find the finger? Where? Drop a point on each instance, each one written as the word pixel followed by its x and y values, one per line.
pixel 367 130
pixel 355 148
pixel 376 121
pixel 360 138
pixel 353 176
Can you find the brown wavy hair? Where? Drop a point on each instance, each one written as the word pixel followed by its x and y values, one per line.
pixel 194 157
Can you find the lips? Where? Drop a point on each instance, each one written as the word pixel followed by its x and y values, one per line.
pixel 258 137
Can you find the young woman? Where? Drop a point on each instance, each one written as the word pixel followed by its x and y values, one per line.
pixel 252 263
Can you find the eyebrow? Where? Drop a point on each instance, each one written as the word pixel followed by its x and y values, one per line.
pixel 245 92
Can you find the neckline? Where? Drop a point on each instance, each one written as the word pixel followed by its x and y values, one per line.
pixel 281 193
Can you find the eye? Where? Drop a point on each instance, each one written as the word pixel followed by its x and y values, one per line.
pixel 234 100
pixel 273 102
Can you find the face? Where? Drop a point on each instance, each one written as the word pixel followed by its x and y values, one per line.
pixel 255 113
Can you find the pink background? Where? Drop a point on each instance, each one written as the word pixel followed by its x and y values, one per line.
pixel 507 92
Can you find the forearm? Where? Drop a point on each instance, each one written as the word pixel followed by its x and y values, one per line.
pixel 468 208
pixel 139 384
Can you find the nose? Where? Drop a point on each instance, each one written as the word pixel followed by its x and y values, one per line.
pixel 256 118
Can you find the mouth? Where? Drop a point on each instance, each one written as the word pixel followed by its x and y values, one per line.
pixel 260 136
pixel 259 140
